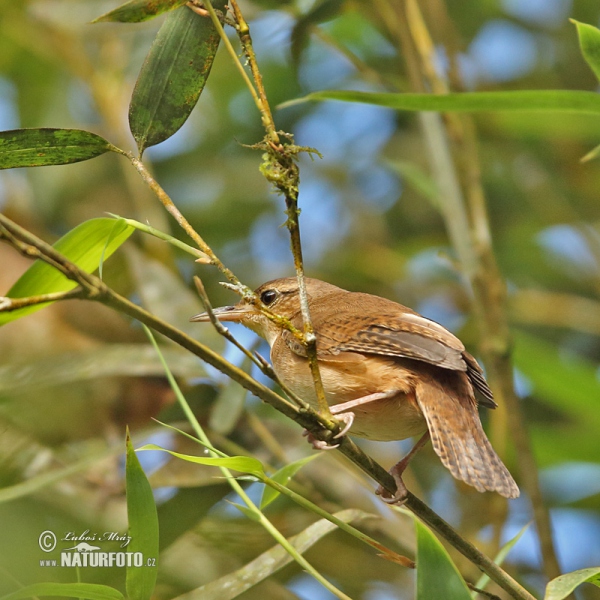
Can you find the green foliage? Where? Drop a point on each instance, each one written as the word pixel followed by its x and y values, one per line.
pixel 89 591
pixel 173 76
pixel 42 147
pixel 530 101
pixel 87 245
pixel 562 586
pixel 589 41
pixel 143 528
pixel 437 575
pixel 136 11
pixel 530 140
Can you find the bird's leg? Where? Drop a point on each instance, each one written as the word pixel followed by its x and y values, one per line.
pixel 396 472
pixel 346 417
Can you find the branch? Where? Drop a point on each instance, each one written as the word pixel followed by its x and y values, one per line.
pixel 9 304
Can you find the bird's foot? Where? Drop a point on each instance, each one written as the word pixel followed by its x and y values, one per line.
pixel 397 471
pixel 400 495
pixel 346 418
pixel 318 444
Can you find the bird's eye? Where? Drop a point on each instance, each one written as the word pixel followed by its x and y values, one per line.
pixel 268 297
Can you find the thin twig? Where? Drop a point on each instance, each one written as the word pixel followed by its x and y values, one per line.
pixel 9 304
pixel 281 169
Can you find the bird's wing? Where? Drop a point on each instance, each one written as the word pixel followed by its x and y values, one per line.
pixel 371 325
pixel 402 335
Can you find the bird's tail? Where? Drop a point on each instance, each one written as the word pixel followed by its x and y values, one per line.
pixel 457 436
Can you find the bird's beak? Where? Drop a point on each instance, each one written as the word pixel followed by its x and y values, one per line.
pixel 226 313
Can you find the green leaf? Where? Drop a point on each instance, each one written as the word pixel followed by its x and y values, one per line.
pixel 253 515
pixel 244 464
pixel 173 76
pixel 91 591
pixel 562 586
pixel 499 559
pixel 85 245
pixel 589 42
pixel 42 147
pixel 136 11
pixel 143 528
pixel 109 360
pixel 229 405
pixel 528 100
pixel 163 236
pixel 234 584
pixel 437 575
pixel 283 477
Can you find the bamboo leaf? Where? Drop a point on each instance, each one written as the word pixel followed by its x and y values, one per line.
pixel 437 575
pixel 111 360
pixel 44 146
pixel 528 100
pixel 85 246
pixel 173 76
pixel 589 42
pixel 234 584
pixel 562 586
pixel 90 591
pixel 283 477
pixel 244 464
pixel 136 11
pixel 499 559
pixel 143 528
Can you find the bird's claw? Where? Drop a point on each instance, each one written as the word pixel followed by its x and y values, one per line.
pixel 347 419
pixel 399 497
pixel 318 444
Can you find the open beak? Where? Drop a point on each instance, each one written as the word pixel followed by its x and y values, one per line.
pixel 225 313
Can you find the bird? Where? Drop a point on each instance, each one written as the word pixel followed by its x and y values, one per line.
pixel 387 372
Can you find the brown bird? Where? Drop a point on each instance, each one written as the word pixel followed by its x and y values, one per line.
pixel 387 371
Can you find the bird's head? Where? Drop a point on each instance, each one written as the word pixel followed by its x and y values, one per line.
pixel 278 297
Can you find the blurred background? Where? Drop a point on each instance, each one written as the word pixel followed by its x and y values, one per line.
pixel 73 375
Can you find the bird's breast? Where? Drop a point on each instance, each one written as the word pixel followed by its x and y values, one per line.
pixel 350 376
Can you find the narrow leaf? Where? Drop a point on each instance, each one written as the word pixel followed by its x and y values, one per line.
pixel 173 76
pixel 136 11
pixel 143 528
pixel 110 360
pixel 283 477
pixel 234 584
pixel 83 246
pixel 562 586
pixel 90 591
pixel 499 559
pixel 529 100
pixel 593 153
pixel 437 575
pixel 41 147
pixel 253 515
pixel 244 464
pixel 589 42
pixel 165 237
